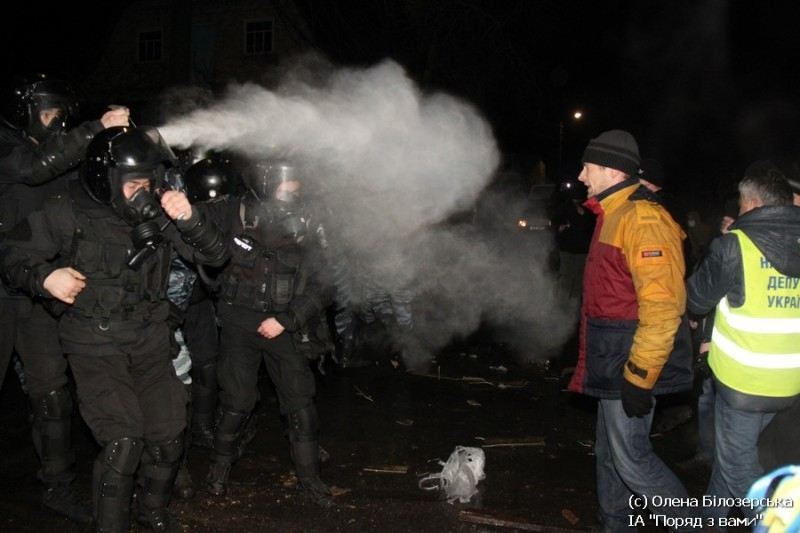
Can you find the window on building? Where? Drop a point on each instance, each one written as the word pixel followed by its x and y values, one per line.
pixel 150 46
pixel 258 37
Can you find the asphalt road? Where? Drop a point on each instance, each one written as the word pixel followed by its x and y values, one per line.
pixel 384 430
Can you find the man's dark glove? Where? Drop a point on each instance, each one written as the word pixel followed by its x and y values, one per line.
pixel 636 401
pixel 701 367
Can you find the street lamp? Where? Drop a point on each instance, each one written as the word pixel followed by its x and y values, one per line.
pixel 576 115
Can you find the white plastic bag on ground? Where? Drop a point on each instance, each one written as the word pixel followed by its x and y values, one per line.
pixel 459 476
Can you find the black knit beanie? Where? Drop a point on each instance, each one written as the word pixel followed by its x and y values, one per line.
pixel 614 149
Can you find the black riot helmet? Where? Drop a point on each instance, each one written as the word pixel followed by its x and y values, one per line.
pixel 119 154
pixel 36 93
pixel 264 178
pixel 209 179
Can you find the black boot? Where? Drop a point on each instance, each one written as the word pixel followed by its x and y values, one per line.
pixel 415 357
pixel 305 451
pixel 160 464
pixel 184 485
pixel 204 404
pixel 227 448
pixel 62 499
pixel 348 352
pixel 52 438
pixel 112 484
pixel 218 473
pixel 183 488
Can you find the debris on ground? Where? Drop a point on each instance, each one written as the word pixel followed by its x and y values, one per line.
pixel 387 469
pixel 362 394
pixel 473 403
pixel 474 380
pixel 519 384
pixel 496 520
pixel 513 442
pixel 339 491
pixel 289 481
pixel 498 368
pixel 459 476
pixel 404 422
pixel 570 517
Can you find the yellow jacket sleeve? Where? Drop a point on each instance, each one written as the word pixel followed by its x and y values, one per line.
pixel 652 245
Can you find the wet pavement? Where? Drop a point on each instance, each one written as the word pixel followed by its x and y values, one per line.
pixel 384 429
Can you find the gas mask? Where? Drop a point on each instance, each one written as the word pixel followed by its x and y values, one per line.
pixel 140 211
pixel 292 227
pixel 140 208
pixel 288 217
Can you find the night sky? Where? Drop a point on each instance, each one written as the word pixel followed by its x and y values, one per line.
pixel 705 86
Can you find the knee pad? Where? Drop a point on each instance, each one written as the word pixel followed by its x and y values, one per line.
pixel 51 432
pixel 231 422
pixel 53 405
pixel 122 455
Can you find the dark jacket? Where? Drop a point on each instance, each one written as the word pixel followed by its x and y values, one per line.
pixel 276 278
pixel 775 231
pixel 73 230
pixel 28 170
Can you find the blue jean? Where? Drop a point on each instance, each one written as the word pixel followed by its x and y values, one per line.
pixel 627 466
pixel 736 464
pixel 705 421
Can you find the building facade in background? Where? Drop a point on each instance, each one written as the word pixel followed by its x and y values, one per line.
pixel 159 45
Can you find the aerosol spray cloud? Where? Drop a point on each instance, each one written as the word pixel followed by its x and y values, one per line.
pixel 388 164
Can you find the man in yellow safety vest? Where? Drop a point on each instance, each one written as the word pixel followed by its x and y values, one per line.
pixel 752 275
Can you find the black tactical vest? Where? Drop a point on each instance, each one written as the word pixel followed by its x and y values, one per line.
pixel 100 248
pixel 261 277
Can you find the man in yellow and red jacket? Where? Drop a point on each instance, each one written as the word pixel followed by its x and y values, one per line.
pixel 634 339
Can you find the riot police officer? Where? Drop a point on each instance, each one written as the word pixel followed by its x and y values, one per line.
pixel 117 243
pixel 35 149
pixel 193 315
pixel 271 297
pixel 212 179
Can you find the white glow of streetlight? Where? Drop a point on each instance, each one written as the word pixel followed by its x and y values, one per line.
pixel 577 115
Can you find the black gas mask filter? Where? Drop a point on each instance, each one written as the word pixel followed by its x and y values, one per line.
pixel 140 211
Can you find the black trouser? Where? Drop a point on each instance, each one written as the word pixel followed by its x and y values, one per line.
pixel 135 406
pixel 29 328
pixel 200 331
pixel 132 391
pixel 202 338
pixel 241 352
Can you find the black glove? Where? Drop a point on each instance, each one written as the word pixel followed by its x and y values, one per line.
pixel 701 367
pixel 636 401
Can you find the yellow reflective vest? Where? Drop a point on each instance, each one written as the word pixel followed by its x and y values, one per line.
pixel 755 348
